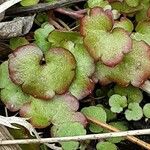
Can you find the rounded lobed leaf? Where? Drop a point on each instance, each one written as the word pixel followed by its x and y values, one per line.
pixel 69 129
pixel 11 94
pixel 95 113
pixel 96 3
pixel 41 36
pixel 124 23
pixel 97 31
pixel 134 112
pixel 117 103
pixel 82 85
pixel 59 110
pixel 146 110
pixel 29 2
pixel 42 75
pixel 133 3
pixel 132 93
pixel 142 32
pixel 110 115
pixel 106 146
pixel 134 69
pixel 122 126
pixel 98 19
pixel 17 42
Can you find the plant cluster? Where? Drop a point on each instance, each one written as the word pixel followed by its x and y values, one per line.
pixel 46 80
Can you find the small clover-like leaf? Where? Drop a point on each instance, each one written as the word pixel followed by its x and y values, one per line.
pixel 59 110
pixel 122 126
pixel 11 95
pixel 106 146
pixel 124 23
pixel 41 36
pixel 134 69
pixel 110 115
pixel 97 31
pixel 42 75
pixel 96 113
pixel 146 110
pixel 69 129
pixel 142 32
pixel 132 93
pixel 17 42
pixel 29 2
pixel 134 112
pixel 117 103
pixel 82 84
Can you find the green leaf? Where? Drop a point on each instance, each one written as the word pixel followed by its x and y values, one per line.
pixel 124 23
pixel 59 110
pixel 117 103
pixel 97 31
pixel 143 13
pixel 134 69
pixel 142 32
pixel 124 8
pixel 41 36
pixel 29 2
pixel 134 112
pixel 97 113
pixel 133 3
pixel 82 84
pixel 57 63
pixel 11 95
pixel 106 146
pixel 97 3
pixel 121 126
pixel 69 129
pixel 132 93
pixel 146 110
pixel 17 42
pixel 110 115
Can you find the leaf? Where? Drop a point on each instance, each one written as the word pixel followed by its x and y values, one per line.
pixel 110 115
pixel 124 8
pixel 69 129
pixel 82 84
pixel 143 13
pixel 97 31
pixel 121 126
pixel 133 94
pixel 97 113
pixel 59 110
pixel 8 121
pixel 124 23
pixel 17 27
pixel 17 42
pixel 133 3
pixel 97 3
pixel 29 2
pixel 134 69
pixel 106 146
pixel 11 95
pixel 142 32
pixel 58 63
pixel 117 103
pixel 41 36
pixel 134 112
pixel 146 110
